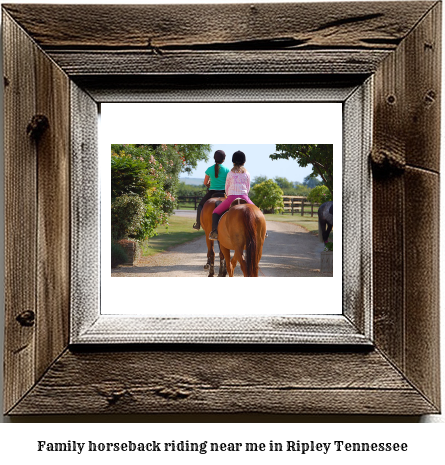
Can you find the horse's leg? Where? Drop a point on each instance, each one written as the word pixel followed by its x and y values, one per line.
pixel 226 253
pixel 328 231
pixel 322 228
pixel 210 258
pixel 222 264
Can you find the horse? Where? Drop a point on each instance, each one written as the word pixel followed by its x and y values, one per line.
pixel 325 222
pixel 242 227
pixel 206 224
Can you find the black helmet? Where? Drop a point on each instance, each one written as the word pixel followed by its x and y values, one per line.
pixel 219 156
pixel 239 158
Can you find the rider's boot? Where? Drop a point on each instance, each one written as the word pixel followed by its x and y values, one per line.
pixel 197 225
pixel 213 236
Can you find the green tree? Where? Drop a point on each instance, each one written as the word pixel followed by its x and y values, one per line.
pixel 320 156
pixel 311 182
pixel 258 180
pixel 302 190
pixel 190 190
pixel 319 194
pixel 267 196
pixel 284 183
pixel 286 186
pixel 192 154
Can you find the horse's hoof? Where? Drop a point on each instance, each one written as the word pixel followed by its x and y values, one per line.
pixel 206 266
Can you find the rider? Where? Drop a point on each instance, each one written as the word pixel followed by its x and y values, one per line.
pixel 237 186
pixel 215 179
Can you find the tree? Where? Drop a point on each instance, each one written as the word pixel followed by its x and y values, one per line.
pixel 267 196
pixel 284 183
pixel 302 190
pixel 258 180
pixel 311 182
pixel 320 156
pixel 319 194
pixel 192 153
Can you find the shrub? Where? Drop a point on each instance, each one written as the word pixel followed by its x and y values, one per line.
pixel 329 247
pixel 267 196
pixel 118 255
pixel 129 176
pixel 320 194
pixel 127 216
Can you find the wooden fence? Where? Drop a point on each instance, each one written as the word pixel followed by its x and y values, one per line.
pixel 294 204
pixel 189 201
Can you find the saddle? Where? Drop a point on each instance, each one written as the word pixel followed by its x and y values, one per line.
pixel 237 201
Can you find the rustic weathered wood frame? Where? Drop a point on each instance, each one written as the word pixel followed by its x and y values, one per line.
pixel 89 321
pixel 70 58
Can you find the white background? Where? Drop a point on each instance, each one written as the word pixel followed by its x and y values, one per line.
pixel 246 123
pixel 18 442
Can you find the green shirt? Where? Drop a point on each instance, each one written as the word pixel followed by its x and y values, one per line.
pixel 219 183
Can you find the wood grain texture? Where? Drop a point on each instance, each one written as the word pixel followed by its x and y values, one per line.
pixel 85 207
pixel 20 212
pixel 223 382
pixel 422 281
pixel 53 198
pixel 423 92
pixel 79 63
pixel 154 27
pixel 399 377
pixel 218 87
pixel 388 268
pixel 406 135
pixel 357 209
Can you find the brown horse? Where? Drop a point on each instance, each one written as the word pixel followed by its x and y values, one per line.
pixel 206 224
pixel 243 227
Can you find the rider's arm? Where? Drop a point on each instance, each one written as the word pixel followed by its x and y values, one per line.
pixel 207 181
pixel 228 183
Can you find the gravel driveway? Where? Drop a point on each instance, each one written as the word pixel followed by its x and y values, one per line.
pixel 289 251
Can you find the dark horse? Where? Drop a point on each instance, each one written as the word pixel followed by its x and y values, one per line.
pixel 243 227
pixel 325 221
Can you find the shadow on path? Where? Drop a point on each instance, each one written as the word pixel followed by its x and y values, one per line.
pixel 289 251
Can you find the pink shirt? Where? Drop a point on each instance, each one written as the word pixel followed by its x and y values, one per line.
pixel 237 183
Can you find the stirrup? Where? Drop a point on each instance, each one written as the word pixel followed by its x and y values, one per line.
pixel 213 236
pixel 196 226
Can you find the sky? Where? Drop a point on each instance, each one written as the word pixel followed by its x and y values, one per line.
pixel 258 162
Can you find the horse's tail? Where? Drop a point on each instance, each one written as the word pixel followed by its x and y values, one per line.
pixel 251 242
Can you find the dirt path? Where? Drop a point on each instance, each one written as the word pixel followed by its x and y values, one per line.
pixel 289 251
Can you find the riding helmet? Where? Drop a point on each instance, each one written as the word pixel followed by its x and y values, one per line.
pixel 239 158
pixel 219 156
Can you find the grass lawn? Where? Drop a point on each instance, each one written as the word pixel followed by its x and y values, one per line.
pixel 178 231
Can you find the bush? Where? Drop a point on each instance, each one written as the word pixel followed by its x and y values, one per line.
pixel 267 196
pixel 127 216
pixel 320 194
pixel 118 255
pixel 129 176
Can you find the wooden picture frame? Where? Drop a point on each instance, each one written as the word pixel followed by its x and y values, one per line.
pixel 63 65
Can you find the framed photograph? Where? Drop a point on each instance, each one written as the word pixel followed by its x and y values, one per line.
pixel 76 342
